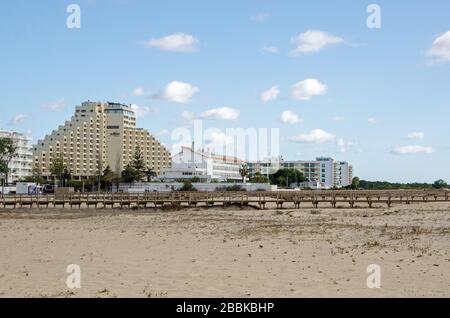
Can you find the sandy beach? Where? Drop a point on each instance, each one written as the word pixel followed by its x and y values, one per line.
pixel 231 252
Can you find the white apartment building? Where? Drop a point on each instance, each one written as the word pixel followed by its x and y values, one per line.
pixel 265 167
pixel 21 164
pixel 189 163
pixel 343 174
pixel 99 135
pixel 324 172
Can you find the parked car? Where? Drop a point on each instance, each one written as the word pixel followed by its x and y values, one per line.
pixel 48 189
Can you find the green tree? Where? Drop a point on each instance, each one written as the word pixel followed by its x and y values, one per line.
pixel 243 171
pixel 117 179
pixel 187 187
pixel 90 184
pixel 34 179
pixel 233 188
pixel 195 179
pixel 3 167
pixel 66 176
pixel 138 163
pixel 130 174
pixel 384 185
pixel 76 184
pixel 36 176
pixel 3 171
pixel 259 178
pixel 58 168
pixel 285 177
pixel 355 183
pixel 8 149
pixel 281 181
pixel 108 177
pixel 440 184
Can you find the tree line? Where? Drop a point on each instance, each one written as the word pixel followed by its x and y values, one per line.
pixel 384 185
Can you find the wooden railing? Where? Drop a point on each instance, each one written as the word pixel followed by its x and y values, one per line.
pixel 260 199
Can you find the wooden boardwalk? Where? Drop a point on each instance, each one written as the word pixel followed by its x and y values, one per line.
pixel 259 199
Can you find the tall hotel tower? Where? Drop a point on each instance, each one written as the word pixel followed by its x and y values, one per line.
pixel 99 135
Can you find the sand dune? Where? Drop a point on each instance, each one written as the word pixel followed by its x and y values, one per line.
pixel 226 252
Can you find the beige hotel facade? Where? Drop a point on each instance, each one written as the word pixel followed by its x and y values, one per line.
pixel 99 135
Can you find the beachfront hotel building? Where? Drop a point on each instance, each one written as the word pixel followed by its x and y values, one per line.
pixel 325 172
pixel 21 164
pixel 265 167
pixel 99 135
pixel 190 163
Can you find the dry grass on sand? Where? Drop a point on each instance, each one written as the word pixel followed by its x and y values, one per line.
pixel 226 252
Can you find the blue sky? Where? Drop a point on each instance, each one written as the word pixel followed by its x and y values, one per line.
pixel 378 98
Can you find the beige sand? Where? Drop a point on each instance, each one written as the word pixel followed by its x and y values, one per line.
pixel 226 253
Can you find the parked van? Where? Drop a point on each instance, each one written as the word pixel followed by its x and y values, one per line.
pixel 28 188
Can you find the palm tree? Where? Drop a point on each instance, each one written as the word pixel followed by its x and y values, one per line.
pixel 243 171
pixel 150 174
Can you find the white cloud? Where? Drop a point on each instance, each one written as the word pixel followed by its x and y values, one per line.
pixel 223 113
pixel 164 132
pixel 261 17
pixel 344 145
pixel 55 106
pixel 187 115
pixel 372 120
pixel 271 94
pixel 178 92
pixel 216 140
pixel 289 117
pixel 16 120
pixel 139 91
pixel 314 136
pixel 306 89
pixel 177 42
pixel 406 150
pixel 341 144
pixel 337 118
pixel 270 49
pixel 139 111
pixel 142 111
pixel 313 41
pixel 418 135
pixel 440 50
